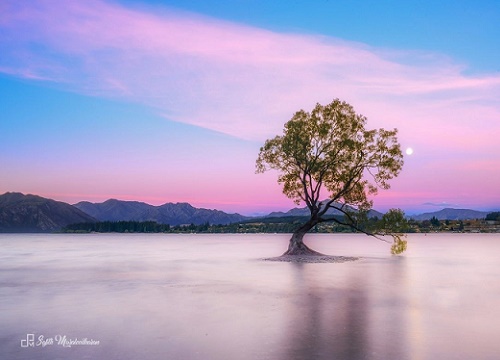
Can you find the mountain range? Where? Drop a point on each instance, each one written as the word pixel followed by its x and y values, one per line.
pixel 32 213
pixel 169 213
pixel 304 211
pixel 451 214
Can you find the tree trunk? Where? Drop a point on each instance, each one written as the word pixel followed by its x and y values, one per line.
pixel 296 245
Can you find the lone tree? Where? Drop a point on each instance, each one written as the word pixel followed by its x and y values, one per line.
pixel 328 152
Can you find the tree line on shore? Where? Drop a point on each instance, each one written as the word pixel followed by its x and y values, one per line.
pixel 493 216
pixel 273 225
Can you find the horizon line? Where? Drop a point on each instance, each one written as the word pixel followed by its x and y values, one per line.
pixel 255 214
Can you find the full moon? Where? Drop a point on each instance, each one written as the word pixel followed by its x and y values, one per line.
pixel 409 151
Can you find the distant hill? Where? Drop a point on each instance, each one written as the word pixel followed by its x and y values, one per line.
pixel 169 213
pixel 31 213
pixel 304 211
pixel 451 214
pixel 116 210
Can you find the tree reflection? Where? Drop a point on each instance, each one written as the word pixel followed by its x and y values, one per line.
pixel 342 317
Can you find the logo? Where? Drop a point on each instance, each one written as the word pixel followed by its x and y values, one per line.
pixel 29 341
pixel 60 340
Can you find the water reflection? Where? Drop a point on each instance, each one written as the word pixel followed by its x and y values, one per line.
pixel 347 319
pixel 325 322
pixel 388 288
pixel 209 297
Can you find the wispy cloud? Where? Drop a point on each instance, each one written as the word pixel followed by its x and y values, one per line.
pixel 443 204
pixel 237 79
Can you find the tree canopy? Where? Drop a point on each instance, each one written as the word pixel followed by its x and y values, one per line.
pixel 493 216
pixel 328 153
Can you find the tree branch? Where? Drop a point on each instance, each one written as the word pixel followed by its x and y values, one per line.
pixel 353 226
pixel 307 197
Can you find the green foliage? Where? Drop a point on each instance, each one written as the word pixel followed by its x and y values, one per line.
pixel 395 224
pixel 119 227
pixel 393 221
pixel 435 222
pixel 493 216
pixel 329 152
pixel 330 149
pixel 284 225
pixel 399 245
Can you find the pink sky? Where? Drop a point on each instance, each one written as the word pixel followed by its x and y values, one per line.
pixel 245 82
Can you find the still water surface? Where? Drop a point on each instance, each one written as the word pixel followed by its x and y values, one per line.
pixel 211 297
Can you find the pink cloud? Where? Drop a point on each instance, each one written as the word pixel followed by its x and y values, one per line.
pixel 231 78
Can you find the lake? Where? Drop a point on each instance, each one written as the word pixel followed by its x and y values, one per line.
pixel 165 296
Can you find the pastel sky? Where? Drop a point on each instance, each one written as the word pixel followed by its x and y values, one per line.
pixel 170 101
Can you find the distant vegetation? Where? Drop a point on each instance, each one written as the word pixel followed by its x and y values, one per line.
pixel 494 216
pixel 117 227
pixel 265 225
pixel 287 224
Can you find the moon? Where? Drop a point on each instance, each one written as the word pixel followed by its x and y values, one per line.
pixel 409 151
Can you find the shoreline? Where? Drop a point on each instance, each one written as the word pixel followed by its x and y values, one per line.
pixel 312 259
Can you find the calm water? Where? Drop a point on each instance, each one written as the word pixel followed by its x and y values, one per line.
pixel 210 297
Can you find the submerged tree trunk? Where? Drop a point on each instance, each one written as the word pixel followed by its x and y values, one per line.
pixel 296 245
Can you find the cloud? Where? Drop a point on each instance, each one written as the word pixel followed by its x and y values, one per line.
pixel 441 204
pixel 236 79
